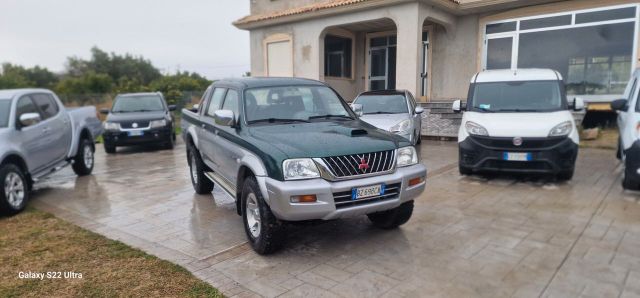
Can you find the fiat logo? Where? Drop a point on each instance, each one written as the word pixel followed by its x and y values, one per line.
pixel 134 125
pixel 517 141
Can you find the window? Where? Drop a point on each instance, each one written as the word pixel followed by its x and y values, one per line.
pixel 337 56
pixel 216 100
pixel 137 103
pixel 593 50
pixel 24 106
pixel 534 96
pixel 5 111
pixel 279 55
pixel 231 102
pixel 46 104
pixel 383 104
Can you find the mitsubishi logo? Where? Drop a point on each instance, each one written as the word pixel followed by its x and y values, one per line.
pixel 364 165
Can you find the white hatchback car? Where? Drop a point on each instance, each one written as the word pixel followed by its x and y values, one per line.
pixel 518 121
pixel 628 110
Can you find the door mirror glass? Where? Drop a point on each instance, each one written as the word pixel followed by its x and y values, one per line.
pixel 224 118
pixel 357 108
pixel 172 107
pixel 619 105
pixel 457 106
pixel 419 110
pixel 29 119
pixel 104 111
pixel 578 104
pixel 195 108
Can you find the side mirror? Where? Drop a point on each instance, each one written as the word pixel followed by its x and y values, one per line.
pixel 224 118
pixel 195 108
pixel 457 106
pixel 578 104
pixel 619 105
pixel 104 111
pixel 357 108
pixel 419 110
pixel 172 107
pixel 29 119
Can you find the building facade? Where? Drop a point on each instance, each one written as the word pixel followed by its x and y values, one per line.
pixel 433 47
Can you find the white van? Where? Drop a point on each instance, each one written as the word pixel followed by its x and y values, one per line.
pixel 628 110
pixel 518 121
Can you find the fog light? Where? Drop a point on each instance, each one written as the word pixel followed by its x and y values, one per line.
pixel 416 181
pixel 304 199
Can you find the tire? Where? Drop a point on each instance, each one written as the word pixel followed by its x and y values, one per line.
pixel 171 142
pixel 14 193
pixel 464 171
pixel 619 151
pixel 391 219
pixel 201 184
pixel 85 158
pixel 109 149
pixel 628 182
pixel 566 175
pixel 265 232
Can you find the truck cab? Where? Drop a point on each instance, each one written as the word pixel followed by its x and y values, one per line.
pixel 518 121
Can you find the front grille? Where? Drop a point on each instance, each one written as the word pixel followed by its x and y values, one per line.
pixel 352 165
pixel 343 199
pixel 129 124
pixel 527 143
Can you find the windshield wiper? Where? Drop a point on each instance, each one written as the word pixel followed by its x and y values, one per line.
pixel 380 112
pixel 279 120
pixel 331 116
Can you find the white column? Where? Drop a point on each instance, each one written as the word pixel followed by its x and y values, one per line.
pixel 409 46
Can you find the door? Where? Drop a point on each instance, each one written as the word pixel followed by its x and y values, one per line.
pixel 382 63
pixel 57 124
pixel 34 142
pixel 208 133
pixel 228 153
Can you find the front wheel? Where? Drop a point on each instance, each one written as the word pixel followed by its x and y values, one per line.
pixel 391 219
pixel 201 183
pixel 84 159
pixel 171 142
pixel 265 232
pixel 15 191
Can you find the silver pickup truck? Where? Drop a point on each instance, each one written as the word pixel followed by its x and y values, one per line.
pixel 38 136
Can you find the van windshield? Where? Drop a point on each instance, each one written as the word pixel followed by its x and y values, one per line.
pixel 5 106
pixel 525 96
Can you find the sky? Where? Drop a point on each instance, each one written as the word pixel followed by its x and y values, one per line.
pixel 191 35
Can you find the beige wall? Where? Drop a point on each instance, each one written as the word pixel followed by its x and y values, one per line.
pixel 264 6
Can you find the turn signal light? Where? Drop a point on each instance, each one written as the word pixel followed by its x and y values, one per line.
pixel 416 181
pixel 304 199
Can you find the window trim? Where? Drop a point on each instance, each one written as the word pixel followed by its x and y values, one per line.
pixel 342 34
pixel 42 113
pixel 516 34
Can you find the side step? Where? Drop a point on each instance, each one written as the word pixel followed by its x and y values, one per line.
pixel 223 183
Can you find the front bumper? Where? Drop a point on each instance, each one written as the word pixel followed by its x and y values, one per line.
pixel 122 138
pixel 280 192
pixel 549 155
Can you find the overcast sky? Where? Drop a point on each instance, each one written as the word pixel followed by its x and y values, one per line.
pixel 193 35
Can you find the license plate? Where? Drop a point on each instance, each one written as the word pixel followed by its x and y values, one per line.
pixel 516 156
pixel 367 191
pixel 136 133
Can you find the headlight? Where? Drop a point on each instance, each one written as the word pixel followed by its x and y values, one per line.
pixel 111 126
pixel 561 129
pixel 475 129
pixel 401 127
pixel 301 168
pixel 157 123
pixel 407 156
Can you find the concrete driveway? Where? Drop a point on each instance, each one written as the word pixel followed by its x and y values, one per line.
pixel 469 236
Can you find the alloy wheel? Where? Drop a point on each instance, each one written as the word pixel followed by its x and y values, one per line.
pixel 14 189
pixel 253 215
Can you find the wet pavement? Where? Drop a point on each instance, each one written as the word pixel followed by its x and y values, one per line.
pixel 498 236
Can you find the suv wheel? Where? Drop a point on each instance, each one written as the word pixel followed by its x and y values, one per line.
pixel 171 142
pixel 15 189
pixel 201 184
pixel 84 159
pixel 264 230
pixel 391 219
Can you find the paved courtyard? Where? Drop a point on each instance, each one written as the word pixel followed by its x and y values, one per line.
pixel 497 236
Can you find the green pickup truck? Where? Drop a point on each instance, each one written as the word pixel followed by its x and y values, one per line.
pixel 292 150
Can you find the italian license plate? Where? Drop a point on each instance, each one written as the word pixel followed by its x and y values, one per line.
pixel 367 191
pixel 136 133
pixel 517 156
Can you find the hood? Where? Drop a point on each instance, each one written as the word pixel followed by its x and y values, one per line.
pixel 519 124
pixel 384 121
pixel 322 139
pixel 141 116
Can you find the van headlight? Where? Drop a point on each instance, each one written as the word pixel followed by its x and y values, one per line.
pixel 111 126
pixel 401 127
pixel 407 156
pixel 300 168
pixel 561 129
pixel 475 129
pixel 157 123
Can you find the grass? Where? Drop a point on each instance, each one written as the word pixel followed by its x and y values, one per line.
pixel 39 242
pixel 607 139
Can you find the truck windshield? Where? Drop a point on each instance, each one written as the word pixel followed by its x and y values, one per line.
pixel 5 106
pixel 129 104
pixel 294 104
pixel 525 96
pixel 383 104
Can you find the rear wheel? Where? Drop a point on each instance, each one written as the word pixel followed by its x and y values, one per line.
pixel 84 159
pixel 15 191
pixel 265 232
pixel 201 183
pixel 391 219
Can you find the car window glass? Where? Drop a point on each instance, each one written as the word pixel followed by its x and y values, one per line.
pixel 5 108
pixel 231 102
pixel 138 103
pixel 216 100
pixel 24 106
pixel 383 104
pixel 203 100
pixel 46 104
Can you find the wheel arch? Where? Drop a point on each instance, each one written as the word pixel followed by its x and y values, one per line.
pixel 15 159
pixel 243 173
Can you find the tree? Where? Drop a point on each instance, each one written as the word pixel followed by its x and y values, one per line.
pixel 15 76
pixel 173 86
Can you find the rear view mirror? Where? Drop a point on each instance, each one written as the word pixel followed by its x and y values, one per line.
pixel 29 119
pixel 104 111
pixel 419 110
pixel 457 106
pixel 357 108
pixel 172 107
pixel 224 118
pixel 619 105
pixel 195 108
pixel 578 104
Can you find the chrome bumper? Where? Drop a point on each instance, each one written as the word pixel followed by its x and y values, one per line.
pixel 278 194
